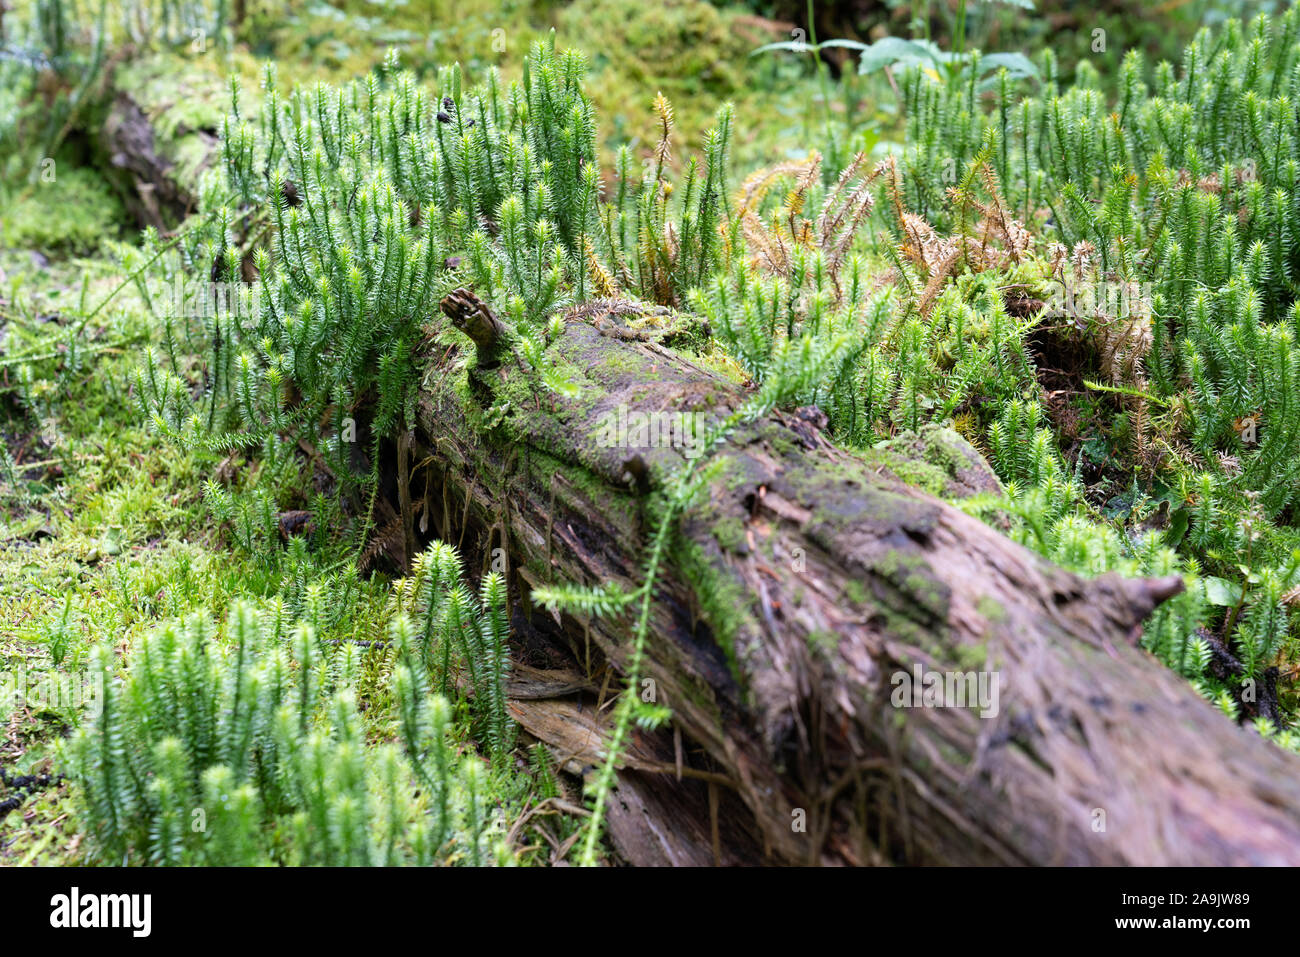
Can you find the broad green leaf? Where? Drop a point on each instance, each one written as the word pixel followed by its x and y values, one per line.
pixel 846 44
pixel 1017 64
pixel 889 51
pixel 1220 591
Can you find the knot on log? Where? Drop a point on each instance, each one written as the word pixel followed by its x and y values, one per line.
pixel 471 315
pixel 1146 594
pixel 1129 601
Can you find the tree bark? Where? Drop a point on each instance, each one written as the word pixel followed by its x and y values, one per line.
pixel 797 590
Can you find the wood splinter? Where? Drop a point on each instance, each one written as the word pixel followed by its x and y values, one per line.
pixel 471 316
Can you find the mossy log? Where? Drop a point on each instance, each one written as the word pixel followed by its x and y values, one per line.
pixel 156 132
pixel 805 581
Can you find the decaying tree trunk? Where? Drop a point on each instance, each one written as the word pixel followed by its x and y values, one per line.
pixel 796 592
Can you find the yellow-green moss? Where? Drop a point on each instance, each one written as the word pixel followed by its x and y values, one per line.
pixel 730 533
pixel 72 214
pixel 856 592
pixel 722 601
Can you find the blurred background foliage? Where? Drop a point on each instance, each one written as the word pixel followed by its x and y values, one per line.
pixel 698 53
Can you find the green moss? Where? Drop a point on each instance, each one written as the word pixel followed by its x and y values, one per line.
pixel 615 507
pixel 923 475
pixel 723 603
pixel 730 533
pixel 687 48
pixel 991 609
pixel 179 94
pixel 971 657
pixel 856 592
pixel 824 641
pixel 937 460
pixel 911 602
pixel 783 444
pixel 70 215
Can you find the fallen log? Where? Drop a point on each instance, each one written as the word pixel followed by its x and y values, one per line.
pixel 800 596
